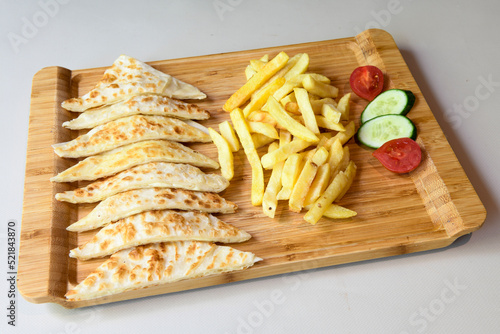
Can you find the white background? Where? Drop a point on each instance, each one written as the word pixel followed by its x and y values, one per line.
pixel 448 45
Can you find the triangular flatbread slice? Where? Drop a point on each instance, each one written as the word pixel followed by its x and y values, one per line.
pixel 127 77
pixel 132 202
pixel 129 130
pixel 154 174
pixel 158 226
pixel 160 263
pixel 122 158
pixel 139 104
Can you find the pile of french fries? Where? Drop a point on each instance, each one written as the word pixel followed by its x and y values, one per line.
pixel 297 115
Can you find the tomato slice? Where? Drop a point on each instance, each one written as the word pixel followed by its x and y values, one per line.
pixel 367 82
pixel 401 155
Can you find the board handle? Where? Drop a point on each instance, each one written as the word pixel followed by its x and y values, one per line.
pixel 43 251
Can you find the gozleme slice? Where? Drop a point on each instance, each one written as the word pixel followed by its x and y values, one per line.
pixel 122 158
pixel 135 201
pixel 127 77
pixel 154 174
pixel 137 105
pixel 129 130
pixel 159 263
pixel 158 226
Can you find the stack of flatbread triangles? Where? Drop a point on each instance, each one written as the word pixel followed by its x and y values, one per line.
pixel 155 211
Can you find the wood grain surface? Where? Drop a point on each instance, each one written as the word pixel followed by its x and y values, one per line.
pixel 426 209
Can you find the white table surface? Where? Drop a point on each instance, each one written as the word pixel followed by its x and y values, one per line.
pixel 451 47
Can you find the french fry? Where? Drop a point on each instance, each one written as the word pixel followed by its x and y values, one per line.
pixel 261 116
pixel 291 63
pixel 277 111
pixel 336 154
pixel 305 108
pixel 318 77
pixel 301 187
pixel 320 156
pixel 344 107
pixel 249 72
pixel 343 163
pixel 290 174
pixel 289 98
pixel 350 173
pixel 338 212
pixel 299 67
pixel 344 136
pixel 260 97
pixel 285 137
pixel 227 131
pixel 317 105
pixel 260 140
pixel 281 154
pixel 256 81
pixel 257 64
pixel 319 184
pixel 293 108
pixel 325 124
pixel 325 200
pixel 313 86
pixel 270 201
pixel 241 127
pixel 331 113
pixel 264 128
pixel 225 154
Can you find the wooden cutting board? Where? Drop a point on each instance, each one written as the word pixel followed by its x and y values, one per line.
pixel 397 214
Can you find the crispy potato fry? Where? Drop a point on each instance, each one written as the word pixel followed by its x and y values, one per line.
pixel 305 108
pixel 270 200
pixel 263 128
pixel 320 156
pixel 262 116
pixel 257 64
pixel 291 171
pixel 313 86
pixel 289 98
pixel 249 72
pixel 301 187
pixel 350 173
pixel 338 212
pixel 319 184
pixel 241 127
pixel 318 77
pixel 317 105
pixel 344 107
pixel 277 111
pixel 285 137
pixel 256 81
pixel 225 154
pixel 293 108
pixel 336 154
pixel 325 200
pixel 270 159
pixel 260 140
pixel 299 67
pixel 331 113
pixel 343 163
pixel 347 133
pixel 325 124
pixel 260 97
pixel 227 131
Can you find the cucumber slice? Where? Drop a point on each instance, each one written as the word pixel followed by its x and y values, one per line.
pixel 392 101
pixel 375 132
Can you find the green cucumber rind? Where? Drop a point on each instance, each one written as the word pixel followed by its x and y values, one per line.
pixel 363 143
pixel 411 101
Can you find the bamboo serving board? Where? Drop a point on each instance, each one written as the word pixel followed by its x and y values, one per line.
pixel 426 209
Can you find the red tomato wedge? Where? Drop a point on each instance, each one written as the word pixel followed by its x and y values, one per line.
pixel 367 82
pixel 400 155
